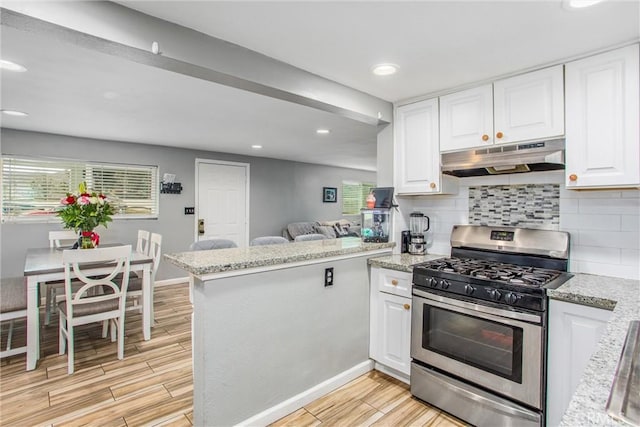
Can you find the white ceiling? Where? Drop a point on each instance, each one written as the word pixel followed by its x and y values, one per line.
pixel 438 45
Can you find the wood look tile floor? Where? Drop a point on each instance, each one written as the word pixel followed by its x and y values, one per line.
pixel 153 385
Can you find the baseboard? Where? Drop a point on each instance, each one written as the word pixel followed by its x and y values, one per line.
pixel 392 373
pixel 298 401
pixel 176 281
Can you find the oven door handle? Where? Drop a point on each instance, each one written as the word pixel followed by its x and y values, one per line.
pixel 473 309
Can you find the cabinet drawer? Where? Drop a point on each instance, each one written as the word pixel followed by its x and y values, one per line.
pixel 395 282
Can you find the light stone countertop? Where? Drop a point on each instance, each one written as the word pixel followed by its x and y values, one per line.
pixel 402 262
pixel 200 263
pixel 587 406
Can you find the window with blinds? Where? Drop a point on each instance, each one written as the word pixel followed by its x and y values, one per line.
pixel 354 196
pixel 32 187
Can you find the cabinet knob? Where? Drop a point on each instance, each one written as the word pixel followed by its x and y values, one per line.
pixel 573 177
pixel 394 282
pixel 407 306
pixel 499 135
pixel 432 185
pixel 485 137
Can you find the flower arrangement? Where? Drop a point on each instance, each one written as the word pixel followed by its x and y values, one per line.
pixel 83 212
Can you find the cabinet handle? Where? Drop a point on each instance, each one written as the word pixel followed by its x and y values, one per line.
pixel 573 177
pixel 407 306
pixel 499 135
pixel 485 137
pixel 394 282
pixel 432 185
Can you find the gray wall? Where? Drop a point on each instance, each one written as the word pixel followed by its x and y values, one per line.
pixel 281 192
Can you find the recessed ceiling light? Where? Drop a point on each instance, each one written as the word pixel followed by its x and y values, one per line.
pixel 14 113
pixel 384 69
pixel 256 147
pixel 11 66
pixel 322 131
pixel 579 4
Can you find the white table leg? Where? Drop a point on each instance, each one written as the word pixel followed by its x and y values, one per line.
pixel 33 323
pixel 147 300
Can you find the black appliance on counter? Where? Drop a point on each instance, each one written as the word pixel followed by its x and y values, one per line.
pixel 479 324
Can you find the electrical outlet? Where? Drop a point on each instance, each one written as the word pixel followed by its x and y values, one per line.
pixel 190 211
pixel 328 276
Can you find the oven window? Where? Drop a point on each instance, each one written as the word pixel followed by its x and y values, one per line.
pixel 487 345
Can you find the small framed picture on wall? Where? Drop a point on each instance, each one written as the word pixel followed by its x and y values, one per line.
pixel 329 194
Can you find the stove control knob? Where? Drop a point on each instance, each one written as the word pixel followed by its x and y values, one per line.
pixel 494 294
pixel 432 282
pixel 511 298
pixel 444 284
pixel 468 289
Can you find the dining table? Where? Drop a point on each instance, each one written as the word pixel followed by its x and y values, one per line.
pixel 45 264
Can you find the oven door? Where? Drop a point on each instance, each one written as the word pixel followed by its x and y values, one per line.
pixel 500 350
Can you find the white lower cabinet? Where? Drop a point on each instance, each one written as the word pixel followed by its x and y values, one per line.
pixel 390 310
pixel 574 332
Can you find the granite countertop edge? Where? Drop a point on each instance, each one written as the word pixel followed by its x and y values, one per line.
pixel 201 263
pixel 622 298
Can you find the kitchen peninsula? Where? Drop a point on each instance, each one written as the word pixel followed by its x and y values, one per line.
pixel 269 335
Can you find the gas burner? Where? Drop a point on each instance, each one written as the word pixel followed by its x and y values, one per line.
pixel 490 270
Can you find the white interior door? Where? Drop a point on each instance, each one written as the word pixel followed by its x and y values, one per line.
pixel 222 204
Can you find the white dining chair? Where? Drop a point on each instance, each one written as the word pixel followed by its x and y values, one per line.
pixel 134 291
pixel 142 244
pixel 87 306
pixel 13 306
pixel 57 239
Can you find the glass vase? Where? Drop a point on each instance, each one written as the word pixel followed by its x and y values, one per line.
pixel 86 240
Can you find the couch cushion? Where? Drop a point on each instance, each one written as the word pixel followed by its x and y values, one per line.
pixel 299 228
pixel 326 230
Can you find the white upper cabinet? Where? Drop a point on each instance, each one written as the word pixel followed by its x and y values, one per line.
pixel 466 118
pixel 602 140
pixel 521 108
pixel 417 150
pixel 529 106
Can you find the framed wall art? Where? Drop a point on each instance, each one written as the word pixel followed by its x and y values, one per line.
pixel 329 194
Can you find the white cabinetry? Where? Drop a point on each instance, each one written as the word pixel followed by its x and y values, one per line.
pixel 602 140
pixel 417 150
pixel 390 340
pixel 521 108
pixel 574 332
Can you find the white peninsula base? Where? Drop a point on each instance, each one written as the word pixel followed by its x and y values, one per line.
pixel 268 342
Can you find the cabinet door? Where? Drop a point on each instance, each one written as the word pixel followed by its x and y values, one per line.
pixel 529 106
pixel 574 332
pixel 602 141
pixel 394 328
pixel 416 148
pixel 466 119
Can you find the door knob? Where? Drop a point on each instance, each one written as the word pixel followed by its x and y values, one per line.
pixel 499 135
pixel 573 177
pixel 394 282
pixel 200 226
pixel 485 137
pixel 407 306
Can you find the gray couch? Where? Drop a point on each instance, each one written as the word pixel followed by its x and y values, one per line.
pixel 330 229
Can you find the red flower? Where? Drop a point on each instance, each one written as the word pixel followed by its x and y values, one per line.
pixel 70 200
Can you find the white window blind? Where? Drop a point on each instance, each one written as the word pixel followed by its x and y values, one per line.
pixel 354 197
pixel 32 187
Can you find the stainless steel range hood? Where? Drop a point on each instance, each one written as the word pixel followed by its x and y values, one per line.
pixel 503 159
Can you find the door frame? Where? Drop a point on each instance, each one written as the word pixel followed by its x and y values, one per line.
pixel 246 166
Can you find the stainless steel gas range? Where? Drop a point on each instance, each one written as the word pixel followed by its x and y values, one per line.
pixel 479 324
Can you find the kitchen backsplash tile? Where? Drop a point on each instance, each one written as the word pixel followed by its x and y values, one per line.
pixel 528 205
pixel 604 225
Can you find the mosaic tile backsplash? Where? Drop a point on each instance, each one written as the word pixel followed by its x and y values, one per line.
pixel 529 206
